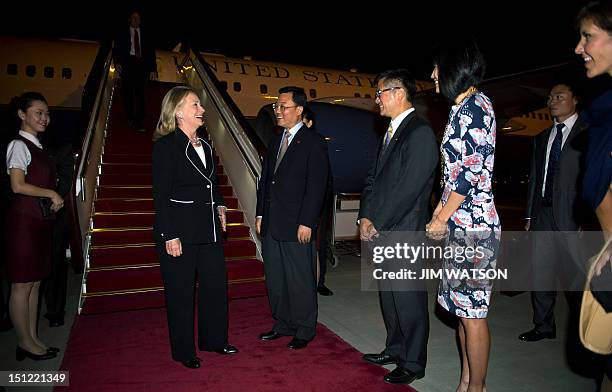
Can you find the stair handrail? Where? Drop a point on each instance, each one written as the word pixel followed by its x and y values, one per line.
pixel 81 146
pixel 228 136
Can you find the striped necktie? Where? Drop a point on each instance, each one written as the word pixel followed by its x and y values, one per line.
pixel 389 135
pixel 283 149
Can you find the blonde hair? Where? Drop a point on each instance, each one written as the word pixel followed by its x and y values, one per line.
pixel 172 101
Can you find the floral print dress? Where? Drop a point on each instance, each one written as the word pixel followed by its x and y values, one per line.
pixel 468 151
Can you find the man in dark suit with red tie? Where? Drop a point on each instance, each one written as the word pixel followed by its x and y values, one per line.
pixel 396 198
pixel 554 209
pixel 135 62
pixel 289 200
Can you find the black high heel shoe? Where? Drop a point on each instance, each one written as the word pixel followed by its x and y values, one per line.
pixel 21 354
pixel 54 350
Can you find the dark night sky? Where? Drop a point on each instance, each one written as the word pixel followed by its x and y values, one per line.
pixel 514 35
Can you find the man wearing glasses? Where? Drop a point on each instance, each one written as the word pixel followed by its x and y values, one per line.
pixel 289 199
pixel 396 198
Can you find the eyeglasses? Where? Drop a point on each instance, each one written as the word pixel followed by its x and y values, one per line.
pixel 556 97
pixel 281 108
pixel 378 93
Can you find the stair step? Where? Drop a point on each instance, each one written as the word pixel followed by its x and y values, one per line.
pixel 126 158
pixel 111 192
pixel 135 168
pixel 117 301
pixel 144 219
pixel 142 191
pixel 145 204
pixel 139 179
pixel 132 168
pixel 125 179
pixel 149 276
pixel 145 235
pixel 143 253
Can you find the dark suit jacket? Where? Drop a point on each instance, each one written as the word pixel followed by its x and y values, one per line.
pixel 293 195
pixel 123 44
pixel 186 194
pixel 398 187
pixel 568 207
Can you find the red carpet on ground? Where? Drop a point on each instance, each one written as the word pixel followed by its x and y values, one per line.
pixel 130 351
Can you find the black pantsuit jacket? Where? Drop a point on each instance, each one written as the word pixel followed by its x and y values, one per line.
pixel 396 197
pixel 186 197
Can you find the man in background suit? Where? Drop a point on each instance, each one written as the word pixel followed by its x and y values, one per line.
pixel 56 284
pixel 135 62
pixel 396 198
pixel 289 200
pixel 554 206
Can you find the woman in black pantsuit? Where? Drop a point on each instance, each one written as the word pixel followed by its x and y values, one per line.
pixel 189 220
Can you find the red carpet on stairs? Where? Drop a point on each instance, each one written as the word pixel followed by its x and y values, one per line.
pixel 130 351
pixel 123 271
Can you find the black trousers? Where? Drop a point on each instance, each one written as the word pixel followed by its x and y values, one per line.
pixel 55 285
pixel 406 319
pixel 179 275
pixel 292 288
pixel 555 256
pixel 134 79
pixel 324 237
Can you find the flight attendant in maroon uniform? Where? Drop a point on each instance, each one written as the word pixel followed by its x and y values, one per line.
pixel 28 230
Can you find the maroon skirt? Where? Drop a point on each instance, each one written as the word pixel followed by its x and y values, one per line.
pixel 29 239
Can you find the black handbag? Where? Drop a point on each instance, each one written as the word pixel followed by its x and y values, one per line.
pixel 45 206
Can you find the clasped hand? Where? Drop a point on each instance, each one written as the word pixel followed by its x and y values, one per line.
pixel 436 229
pixel 367 231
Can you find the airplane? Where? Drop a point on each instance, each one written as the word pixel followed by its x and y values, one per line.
pixel 342 100
pixel 26 64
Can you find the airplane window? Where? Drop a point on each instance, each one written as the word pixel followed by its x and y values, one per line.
pixel 313 93
pixel 539 116
pixel 237 87
pixel 223 85
pixel 263 89
pixel 357 95
pixel 367 96
pixel 66 73
pixel 11 69
pixel 31 71
pixel 49 72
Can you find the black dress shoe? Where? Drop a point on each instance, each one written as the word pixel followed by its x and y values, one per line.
pixel 297 343
pixel 324 291
pixel 55 320
pixel 53 350
pixel 270 335
pixel 379 359
pixel 192 363
pixel 227 350
pixel 401 376
pixel 534 335
pixel 56 323
pixel 21 354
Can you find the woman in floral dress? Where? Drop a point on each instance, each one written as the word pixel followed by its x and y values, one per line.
pixel 466 212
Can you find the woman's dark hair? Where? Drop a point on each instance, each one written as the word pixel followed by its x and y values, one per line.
pixel 460 65
pixel 308 114
pixel 25 100
pixel 597 12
